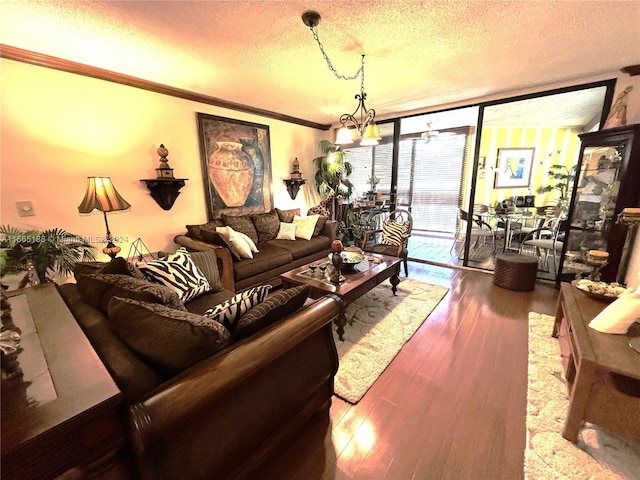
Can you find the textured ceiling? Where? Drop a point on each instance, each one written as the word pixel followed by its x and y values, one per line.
pixel 419 55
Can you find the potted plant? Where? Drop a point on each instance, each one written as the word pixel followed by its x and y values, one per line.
pixel 561 180
pixel 42 252
pixel 332 170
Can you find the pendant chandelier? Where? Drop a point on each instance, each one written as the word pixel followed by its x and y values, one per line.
pixel 362 119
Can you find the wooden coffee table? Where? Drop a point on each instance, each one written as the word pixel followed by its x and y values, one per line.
pixel 372 271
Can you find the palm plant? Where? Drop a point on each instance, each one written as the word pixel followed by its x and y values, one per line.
pixel 50 251
pixel 332 170
pixel 562 178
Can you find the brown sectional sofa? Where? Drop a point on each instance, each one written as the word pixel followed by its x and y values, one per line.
pixel 218 418
pixel 274 257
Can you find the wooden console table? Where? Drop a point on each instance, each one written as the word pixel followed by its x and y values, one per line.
pixel 61 413
pixel 602 370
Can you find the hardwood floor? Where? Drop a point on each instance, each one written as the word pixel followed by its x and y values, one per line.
pixel 451 405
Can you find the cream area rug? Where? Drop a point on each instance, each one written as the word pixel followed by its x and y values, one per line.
pixel 379 324
pixel 548 455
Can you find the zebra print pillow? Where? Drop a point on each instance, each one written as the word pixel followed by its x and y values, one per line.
pixel 179 273
pixel 393 232
pixel 229 312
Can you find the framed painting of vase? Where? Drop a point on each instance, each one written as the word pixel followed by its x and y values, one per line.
pixel 236 166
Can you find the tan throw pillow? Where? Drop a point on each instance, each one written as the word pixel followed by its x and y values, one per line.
pixel 305 226
pixel 170 340
pixel 287 231
pixel 240 245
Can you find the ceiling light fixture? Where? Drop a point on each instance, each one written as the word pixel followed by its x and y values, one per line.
pixel 365 124
pixel 429 134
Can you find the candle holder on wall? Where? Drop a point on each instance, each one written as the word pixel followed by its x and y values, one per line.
pixel 296 181
pixel 164 188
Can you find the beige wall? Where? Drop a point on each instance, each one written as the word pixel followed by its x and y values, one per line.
pixel 58 128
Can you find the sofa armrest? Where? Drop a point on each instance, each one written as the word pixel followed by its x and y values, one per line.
pixel 230 384
pixel 329 229
pixel 223 256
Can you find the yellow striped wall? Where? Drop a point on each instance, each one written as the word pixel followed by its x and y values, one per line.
pixel 552 146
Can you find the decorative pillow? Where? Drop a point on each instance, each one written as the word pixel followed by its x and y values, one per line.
pixel 229 312
pixel 267 225
pixel 287 231
pixel 207 263
pixel 242 224
pixel 236 242
pixel 325 207
pixel 197 231
pixel 179 273
pixel 305 226
pixel 287 215
pixel 321 221
pixel 98 288
pixel 170 340
pixel 393 232
pixel 277 306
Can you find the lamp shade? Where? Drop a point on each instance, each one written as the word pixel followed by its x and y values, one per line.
pixel 344 136
pixel 102 195
pixel 371 135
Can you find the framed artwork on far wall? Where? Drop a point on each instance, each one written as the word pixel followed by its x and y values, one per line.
pixel 236 165
pixel 513 168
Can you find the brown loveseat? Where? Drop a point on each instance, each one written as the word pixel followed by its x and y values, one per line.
pixel 218 418
pixel 274 257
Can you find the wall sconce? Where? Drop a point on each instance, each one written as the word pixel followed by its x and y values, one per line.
pixel 165 188
pixel 296 181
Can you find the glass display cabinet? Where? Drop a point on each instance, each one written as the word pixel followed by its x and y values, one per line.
pixel 608 181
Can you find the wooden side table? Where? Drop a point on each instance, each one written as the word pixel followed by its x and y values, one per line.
pixel 61 414
pixel 602 370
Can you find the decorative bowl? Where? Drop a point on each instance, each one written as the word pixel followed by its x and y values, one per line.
pixel 602 291
pixel 350 259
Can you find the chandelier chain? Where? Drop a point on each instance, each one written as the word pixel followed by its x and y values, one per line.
pixel 330 65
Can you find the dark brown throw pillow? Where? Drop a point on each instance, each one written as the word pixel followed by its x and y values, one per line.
pixel 319 224
pixel 207 263
pixel 170 340
pixel 277 306
pixel 198 231
pixel 267 225
pixel 242 224
pixel 286 216
pixel 98 288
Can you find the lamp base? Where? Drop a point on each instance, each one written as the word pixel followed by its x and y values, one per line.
pixel 112 250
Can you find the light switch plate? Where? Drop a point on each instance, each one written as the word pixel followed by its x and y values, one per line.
pixel 25 209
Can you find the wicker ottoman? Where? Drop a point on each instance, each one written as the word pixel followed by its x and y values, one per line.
pixel 515 272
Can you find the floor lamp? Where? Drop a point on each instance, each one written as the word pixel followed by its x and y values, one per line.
pixel 102 195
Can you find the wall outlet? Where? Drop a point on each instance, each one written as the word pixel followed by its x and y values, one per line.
pixel 25 209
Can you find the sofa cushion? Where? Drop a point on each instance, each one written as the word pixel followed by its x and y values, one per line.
pixel 274 308
pixel 98 288
pixel 301 248
pixel 268 258
pixel 209 300
pixel 117 266
pixel 197 231
pixel 171 340
pixel 229 312
pixel 242 224
pixel 322 219
pixel 287 231
pixel 305 226
pixel 179 273
pixel 207 263
pixel 267 225
pixel 287 215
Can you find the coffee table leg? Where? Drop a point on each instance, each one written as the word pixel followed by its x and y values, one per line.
pixel 340 321
pixel 394 283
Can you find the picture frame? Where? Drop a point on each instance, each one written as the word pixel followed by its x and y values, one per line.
pixel 514 167
pixel 236 165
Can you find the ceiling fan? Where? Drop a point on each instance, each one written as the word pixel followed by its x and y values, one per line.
pixel 429 134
